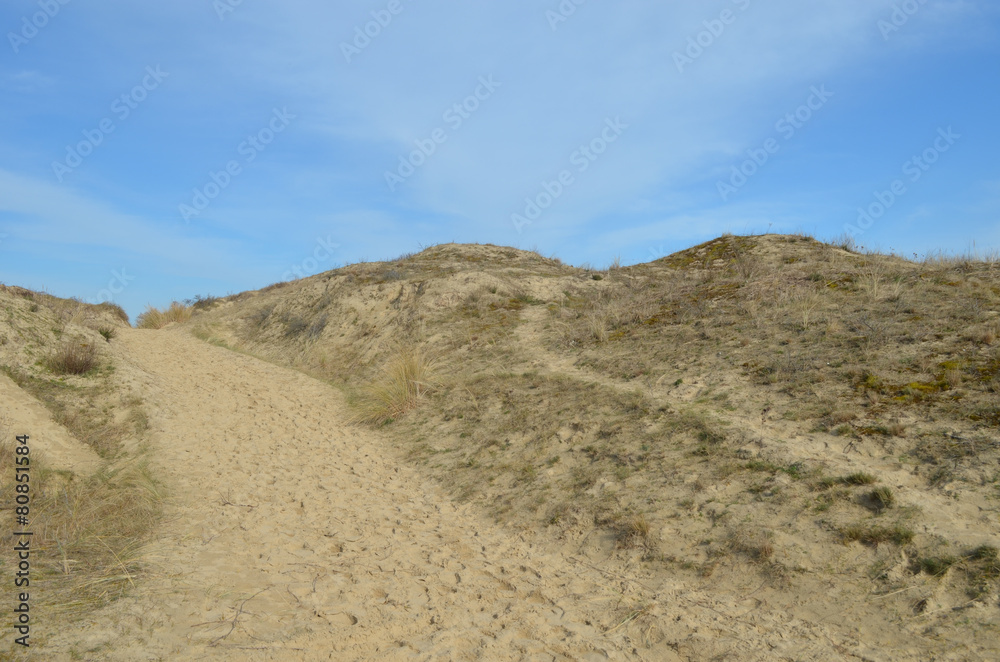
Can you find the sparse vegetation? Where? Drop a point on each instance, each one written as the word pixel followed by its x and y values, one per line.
pixel 201 302
pixel 153 318
pixel 986 553
pixel 858 478
pixel 73 358
pixel 90 527
pixel 756 398
pixel 755 544
pixel 881 498
pixel 89 531
pixel 871 534
pixel 978 569
pixel 116 310
pixel 403 382
pixel 937 565
pixel 632 531
pixel 746 377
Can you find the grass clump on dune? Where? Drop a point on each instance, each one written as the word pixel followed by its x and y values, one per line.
pixel 897 534
pixel 153 318
pixel 397 390
pixel 73 358
pixel 89 531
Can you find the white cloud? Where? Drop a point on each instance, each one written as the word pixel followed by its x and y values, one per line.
pixel 39 211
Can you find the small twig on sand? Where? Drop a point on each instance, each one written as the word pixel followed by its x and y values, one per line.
pixel 610 574
pixel 225 501
pixel 232 625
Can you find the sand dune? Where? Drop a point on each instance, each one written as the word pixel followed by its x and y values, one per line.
pixel 567 491
pixel 291 535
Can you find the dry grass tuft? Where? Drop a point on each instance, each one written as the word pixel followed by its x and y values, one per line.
pixel 73 358
pixel 859 478
pixel 881 498
pixel 89 532
pixel 632 532
pixel 402 383
pixel 755 544
pixel 875 535
pixel 157 319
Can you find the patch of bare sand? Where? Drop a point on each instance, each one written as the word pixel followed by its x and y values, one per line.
pixel 49 439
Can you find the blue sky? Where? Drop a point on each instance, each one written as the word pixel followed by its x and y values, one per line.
pixel 155 151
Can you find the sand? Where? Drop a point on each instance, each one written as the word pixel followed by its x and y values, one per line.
pixel 49 440
pixel 291 535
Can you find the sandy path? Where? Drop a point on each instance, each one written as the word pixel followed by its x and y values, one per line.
pixel 292 536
